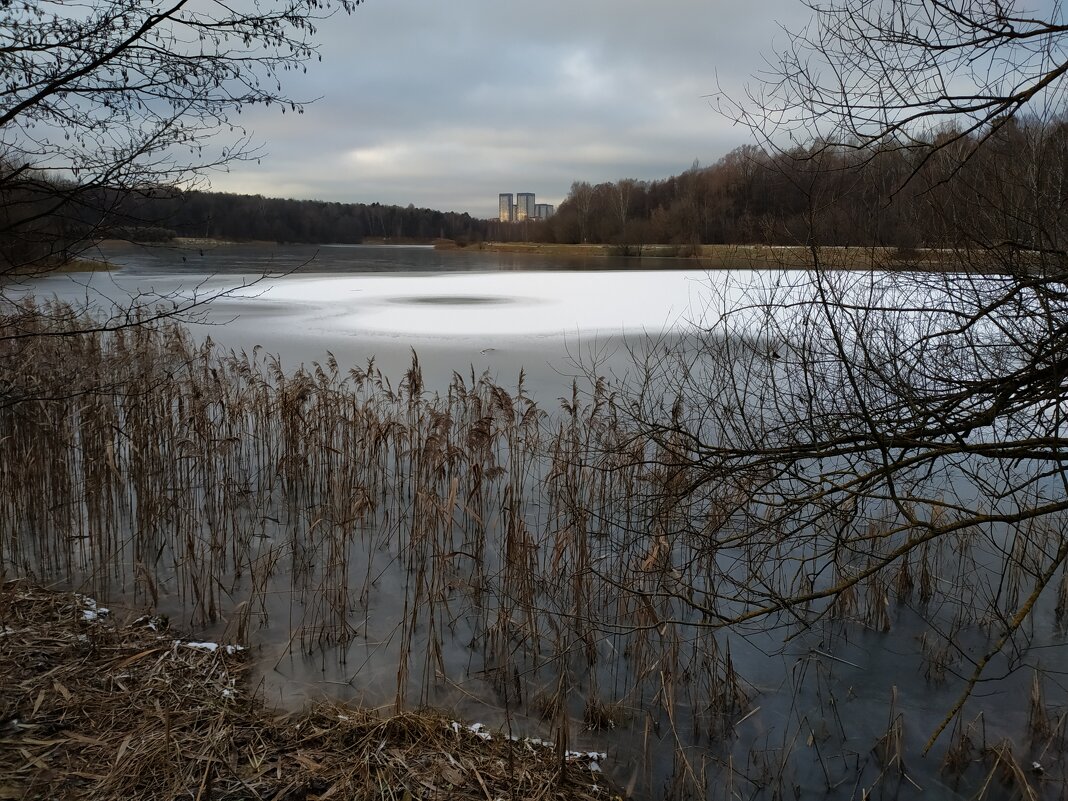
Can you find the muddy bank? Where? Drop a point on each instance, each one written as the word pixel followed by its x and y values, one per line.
pixel 94 708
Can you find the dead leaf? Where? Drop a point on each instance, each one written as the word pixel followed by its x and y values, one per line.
pixel 131 659
pixel 37 703
pixel 452 776
pixel 83 738
pixel 122 748
pixel 33 760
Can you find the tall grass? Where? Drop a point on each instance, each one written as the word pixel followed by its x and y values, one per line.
pixel 551 560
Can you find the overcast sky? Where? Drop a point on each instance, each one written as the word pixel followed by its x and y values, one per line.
pixel 446 104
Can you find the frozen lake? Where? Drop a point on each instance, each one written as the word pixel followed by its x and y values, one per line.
pixel 476 312
pixel 459 310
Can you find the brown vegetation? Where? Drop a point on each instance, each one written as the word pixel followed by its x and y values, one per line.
pixel 565 567
pixel 92 709
pixel 743 257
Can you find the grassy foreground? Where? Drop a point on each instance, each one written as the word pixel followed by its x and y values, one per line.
pixel 93 709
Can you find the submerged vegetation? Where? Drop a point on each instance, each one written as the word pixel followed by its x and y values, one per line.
pixel 567 566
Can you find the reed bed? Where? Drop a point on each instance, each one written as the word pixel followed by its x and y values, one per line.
pixel 551 561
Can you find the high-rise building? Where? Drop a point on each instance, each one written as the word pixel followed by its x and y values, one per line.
pixel 506 208
pixel 522 208
pixel 524 202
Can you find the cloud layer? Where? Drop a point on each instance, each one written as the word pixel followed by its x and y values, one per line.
pixel 446 104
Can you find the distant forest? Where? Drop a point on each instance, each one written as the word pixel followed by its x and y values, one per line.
pixel 896 196
pixel 253 217
pixel 857 196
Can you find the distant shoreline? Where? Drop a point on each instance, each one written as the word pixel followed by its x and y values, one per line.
pixel 48 266
pixel 702 257
pixel 726 257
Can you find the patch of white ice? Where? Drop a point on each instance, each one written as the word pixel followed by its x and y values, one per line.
pixel 552 303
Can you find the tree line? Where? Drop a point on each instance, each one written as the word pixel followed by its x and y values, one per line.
pixel 108 100
pixel 32 231
pixel 254 217
pixel 946 194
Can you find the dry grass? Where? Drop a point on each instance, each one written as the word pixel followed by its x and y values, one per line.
pixel 1012 780
pixel 560 566
pixel 94 710
pixel 57 265
pixel 726 257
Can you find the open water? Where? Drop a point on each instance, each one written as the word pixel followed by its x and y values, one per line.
pixel 468 311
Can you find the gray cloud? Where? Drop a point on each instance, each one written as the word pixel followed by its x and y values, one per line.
pixel 447 104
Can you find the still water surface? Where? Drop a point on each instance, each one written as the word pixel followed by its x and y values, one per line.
pixel 474 312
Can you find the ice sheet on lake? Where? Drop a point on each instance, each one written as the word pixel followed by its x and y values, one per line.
pixel 548 303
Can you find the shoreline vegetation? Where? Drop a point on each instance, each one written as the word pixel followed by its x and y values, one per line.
pixel 70 265
pixel 83 266
pixel 723 257
pixel 698 257
pixel 811 544
pixel 94 708
pixel 704 257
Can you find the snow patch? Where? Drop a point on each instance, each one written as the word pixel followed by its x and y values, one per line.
pixel 594 758
pixel 153 622
pixel 92 611
pixel 211 647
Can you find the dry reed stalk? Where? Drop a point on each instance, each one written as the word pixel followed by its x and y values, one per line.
pixel 1010 774
pixel 963 749
pixel 1061 609
pixel 1039 721
pixel 890 747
